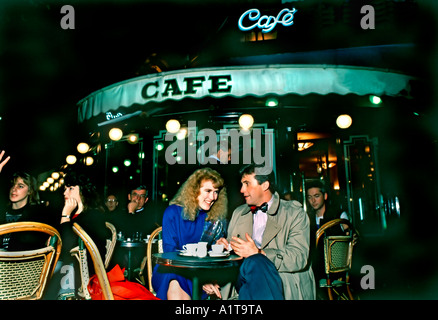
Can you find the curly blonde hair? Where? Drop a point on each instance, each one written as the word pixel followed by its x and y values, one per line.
pixel 187 195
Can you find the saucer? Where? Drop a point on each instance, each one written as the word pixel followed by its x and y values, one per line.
pixel 217 255
pixel 185 254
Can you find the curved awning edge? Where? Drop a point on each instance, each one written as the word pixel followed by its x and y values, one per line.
pixel 243 81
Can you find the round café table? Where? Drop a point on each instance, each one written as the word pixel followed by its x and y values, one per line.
pixel 129 245
pixel 207 268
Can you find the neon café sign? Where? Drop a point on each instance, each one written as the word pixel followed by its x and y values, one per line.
pixel 251 19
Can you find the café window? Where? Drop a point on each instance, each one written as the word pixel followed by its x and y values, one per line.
pixel 177 156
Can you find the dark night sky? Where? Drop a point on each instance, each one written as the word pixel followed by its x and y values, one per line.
pixel 45 70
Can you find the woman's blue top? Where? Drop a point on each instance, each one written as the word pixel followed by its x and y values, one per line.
pixel 177 232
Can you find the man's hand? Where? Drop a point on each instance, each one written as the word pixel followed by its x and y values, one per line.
pixel 132 206
pixel 244 248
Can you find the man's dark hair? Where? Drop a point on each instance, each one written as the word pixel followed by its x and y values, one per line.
pixel 141 187
pixel 317 184
pixel 269 176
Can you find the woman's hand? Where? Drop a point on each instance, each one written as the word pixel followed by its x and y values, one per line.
pixel 225 243
pixel 69 206
pixel 2 163
pixel 212 289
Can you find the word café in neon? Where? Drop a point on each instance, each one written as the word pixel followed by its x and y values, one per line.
pixel 251 19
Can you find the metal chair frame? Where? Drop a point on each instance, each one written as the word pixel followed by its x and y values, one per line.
pixel 24 274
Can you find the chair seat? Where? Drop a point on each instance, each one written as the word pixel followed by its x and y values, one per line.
pixel 334 283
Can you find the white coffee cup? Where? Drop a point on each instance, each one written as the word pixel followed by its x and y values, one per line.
pixel 190 248
pixel 217 248
pixel 201 252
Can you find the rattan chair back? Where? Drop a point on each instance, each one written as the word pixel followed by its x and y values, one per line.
pixel 338 256
pixel 99 266
pixel 154 234
pixel 24 274
pixel 338 253
pixel 110 243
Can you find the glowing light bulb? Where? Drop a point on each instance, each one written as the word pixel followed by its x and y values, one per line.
pixel 83 147
pixel 173 126
pixel 246 121
pixel 133 138
pixel 89 161
pixel 71 159
pixel 375 99
pixel 115 134
pixel 344 121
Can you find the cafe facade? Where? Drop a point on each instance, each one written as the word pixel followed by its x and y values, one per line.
pixel 337 115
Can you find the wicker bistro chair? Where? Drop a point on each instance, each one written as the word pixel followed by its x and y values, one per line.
pixel 24 274
pixel 80 252
pixel 154 234
pixel 110 243
pixel 97 262
pixel 338 256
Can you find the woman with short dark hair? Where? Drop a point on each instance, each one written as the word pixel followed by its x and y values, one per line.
pixel 81 205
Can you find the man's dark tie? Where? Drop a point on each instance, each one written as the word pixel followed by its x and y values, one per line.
pixel 263 207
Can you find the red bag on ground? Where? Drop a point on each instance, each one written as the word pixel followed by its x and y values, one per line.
pixel 122 289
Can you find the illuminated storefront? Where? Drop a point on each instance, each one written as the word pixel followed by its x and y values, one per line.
pixel 334 95
pixel 296 105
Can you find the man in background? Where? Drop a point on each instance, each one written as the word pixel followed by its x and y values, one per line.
pixel 321 212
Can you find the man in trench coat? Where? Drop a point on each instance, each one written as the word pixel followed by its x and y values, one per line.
pixel 284 239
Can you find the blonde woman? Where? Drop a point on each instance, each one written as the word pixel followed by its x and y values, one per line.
pixel 197 213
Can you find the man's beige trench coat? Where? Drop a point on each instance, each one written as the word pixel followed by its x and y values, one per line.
pixel 286 241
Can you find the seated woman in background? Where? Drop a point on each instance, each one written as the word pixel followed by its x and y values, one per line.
pixel 197 213
pixel 82 205
pixel 24 205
